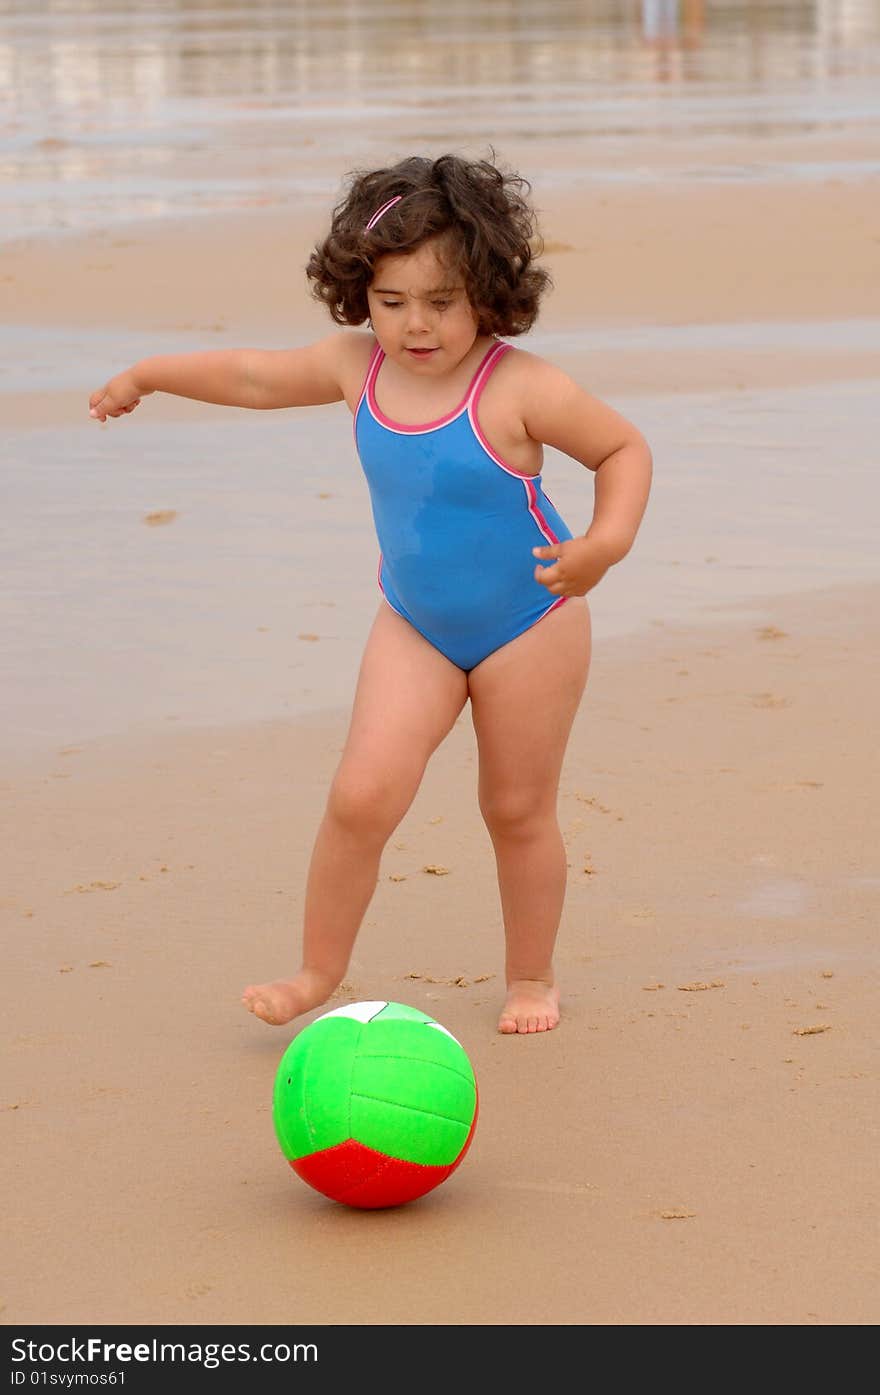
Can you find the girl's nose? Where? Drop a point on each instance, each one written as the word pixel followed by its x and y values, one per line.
pixel 418 316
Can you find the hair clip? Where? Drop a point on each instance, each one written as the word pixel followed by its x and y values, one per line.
pixel 379 211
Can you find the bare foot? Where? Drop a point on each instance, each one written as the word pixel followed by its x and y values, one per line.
pixel 286 998
pixel 531 1006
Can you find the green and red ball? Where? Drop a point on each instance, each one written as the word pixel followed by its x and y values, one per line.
pixel 375 1104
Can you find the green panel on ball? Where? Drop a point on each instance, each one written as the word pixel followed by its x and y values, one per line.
pixel 311 1105
pixel 413 1093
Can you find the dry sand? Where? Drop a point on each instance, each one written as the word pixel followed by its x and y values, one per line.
pixel 696 1144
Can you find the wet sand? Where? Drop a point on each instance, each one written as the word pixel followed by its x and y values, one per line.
pixel 747 382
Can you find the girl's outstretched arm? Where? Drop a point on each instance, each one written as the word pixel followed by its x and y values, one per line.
pixel 557 412
pixel 259 378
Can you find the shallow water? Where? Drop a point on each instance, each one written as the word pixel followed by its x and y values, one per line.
pixel 154 108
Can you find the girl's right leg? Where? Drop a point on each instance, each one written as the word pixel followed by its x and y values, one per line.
pixel 407 699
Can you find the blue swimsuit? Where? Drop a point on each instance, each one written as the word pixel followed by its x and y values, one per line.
pixel 456 525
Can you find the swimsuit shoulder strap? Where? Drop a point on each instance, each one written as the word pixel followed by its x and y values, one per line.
pixel 373 367
pixel 491 358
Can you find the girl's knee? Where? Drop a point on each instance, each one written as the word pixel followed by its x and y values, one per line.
pixel 517 813
pixel 368 803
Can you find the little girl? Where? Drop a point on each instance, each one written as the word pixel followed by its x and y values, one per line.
pixel 482 583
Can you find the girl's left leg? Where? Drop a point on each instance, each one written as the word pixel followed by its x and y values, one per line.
pixel 523 701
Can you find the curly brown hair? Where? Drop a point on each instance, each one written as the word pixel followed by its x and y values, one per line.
pixel 480 213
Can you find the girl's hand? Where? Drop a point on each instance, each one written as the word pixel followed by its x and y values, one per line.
pixel 575 566
pixel 117 397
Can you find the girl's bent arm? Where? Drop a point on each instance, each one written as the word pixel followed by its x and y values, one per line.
pixel 558 413
pixel 257 378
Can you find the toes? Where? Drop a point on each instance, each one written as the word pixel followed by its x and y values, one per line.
pixel 525 1026
pixel 259 1007
pixel 265 1013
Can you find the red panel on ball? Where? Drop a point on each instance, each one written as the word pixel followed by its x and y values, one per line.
pixel 361 1177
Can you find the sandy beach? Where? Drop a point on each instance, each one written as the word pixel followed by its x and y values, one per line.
pixel 697 1138
pixel 696 1143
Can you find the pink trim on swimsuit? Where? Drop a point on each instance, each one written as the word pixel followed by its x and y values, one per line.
pixel 527 479
pixel 403 428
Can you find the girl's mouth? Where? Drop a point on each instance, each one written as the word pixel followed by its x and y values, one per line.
pixel 421 353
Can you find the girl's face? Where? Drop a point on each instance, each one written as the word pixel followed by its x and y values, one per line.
pixel 420 312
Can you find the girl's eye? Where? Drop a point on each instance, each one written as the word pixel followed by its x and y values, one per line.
pixel 441 304
pixel 392 304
